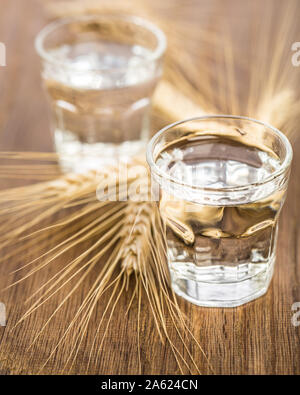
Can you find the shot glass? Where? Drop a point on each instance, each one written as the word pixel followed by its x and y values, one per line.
pixel 221 183
pixel 100 73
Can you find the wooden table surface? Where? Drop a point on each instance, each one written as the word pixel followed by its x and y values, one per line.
pixel 257 338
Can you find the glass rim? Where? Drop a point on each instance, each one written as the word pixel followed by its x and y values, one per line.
pixel 154 55
pixel 162 174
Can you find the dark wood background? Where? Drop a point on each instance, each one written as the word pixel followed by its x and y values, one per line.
pixel 257 338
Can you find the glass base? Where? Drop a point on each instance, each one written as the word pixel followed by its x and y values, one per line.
pixel 78 157
pixel 225 293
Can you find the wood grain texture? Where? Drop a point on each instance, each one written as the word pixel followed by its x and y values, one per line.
pixel 257 338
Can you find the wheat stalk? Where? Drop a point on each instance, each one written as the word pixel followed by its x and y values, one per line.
pixel 138 245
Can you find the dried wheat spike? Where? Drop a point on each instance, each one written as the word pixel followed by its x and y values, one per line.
pixel 136 234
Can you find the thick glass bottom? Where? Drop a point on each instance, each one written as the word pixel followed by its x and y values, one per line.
pixel 78 157
pixel 224 290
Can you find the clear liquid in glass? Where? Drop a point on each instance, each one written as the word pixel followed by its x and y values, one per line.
pixel 100 96
pixel 220 254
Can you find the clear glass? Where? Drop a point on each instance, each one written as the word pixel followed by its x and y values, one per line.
pixel 100 73
pixel 221 184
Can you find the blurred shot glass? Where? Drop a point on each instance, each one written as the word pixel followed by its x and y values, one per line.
pixel 100 73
